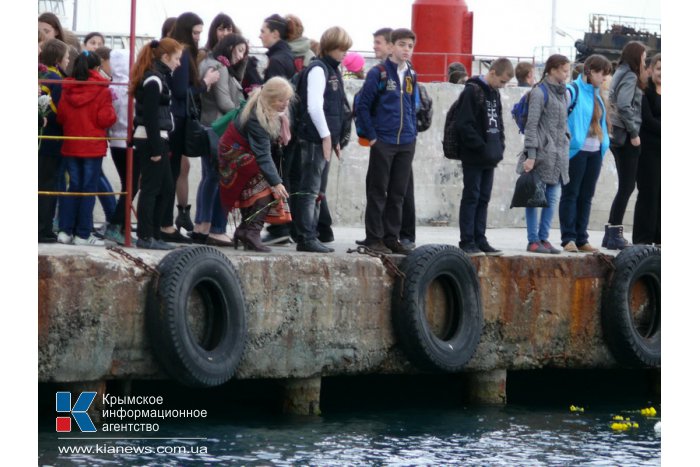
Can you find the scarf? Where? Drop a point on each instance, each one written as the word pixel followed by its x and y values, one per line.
pixel 285 131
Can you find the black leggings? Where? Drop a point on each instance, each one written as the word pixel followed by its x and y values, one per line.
pixel 626 160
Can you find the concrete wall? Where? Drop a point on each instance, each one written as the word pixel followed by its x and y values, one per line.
pixel 315 315
pixel 438 181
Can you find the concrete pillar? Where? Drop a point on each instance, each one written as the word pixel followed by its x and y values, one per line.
pixel 486 387
pixel 100 387
pixel 302 396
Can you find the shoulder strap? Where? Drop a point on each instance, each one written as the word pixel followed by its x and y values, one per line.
pixel 383 78
pixel 574 96
pixel 543 87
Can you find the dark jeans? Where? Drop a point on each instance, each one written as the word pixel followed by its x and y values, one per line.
pixel 208 205
pixel 313 178
pixel 577 196
pixel 177 149
pixel 473 209
pixel 647 211
pixel 157 187
pixel 387 178
pixel 408 215
pixel 108 202
pixel 626 160
pixel 119 158
pixel 75 212
pixel 48 171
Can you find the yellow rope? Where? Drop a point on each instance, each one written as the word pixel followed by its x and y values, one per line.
pixel 67 193
pixel 81 137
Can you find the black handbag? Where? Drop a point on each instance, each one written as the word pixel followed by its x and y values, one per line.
pixel 529 192
pixel 196 135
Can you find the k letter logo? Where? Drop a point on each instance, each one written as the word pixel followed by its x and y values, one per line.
pixel 78 411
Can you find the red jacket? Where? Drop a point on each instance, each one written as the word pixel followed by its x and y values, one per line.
pixel 85 110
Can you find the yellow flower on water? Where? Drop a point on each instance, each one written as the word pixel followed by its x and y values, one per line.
pixel 573 408
pixel 619 426
pixel 617 417
pixel 635 425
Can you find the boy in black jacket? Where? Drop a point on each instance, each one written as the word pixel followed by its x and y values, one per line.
pixel 482 142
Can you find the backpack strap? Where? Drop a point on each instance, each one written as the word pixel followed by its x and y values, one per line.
pixel 383 77
pixel 573 90
pixel 543 87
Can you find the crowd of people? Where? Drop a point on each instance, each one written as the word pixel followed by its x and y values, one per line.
pixel 271 137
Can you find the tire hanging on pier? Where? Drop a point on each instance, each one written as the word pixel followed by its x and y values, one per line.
pixel 436 310
pixel 195 316
pixel 631 311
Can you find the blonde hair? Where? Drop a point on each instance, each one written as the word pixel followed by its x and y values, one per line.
pixel 335 38
pixel 262 98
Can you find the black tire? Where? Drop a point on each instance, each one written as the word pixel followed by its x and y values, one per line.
pixel 451 347
pixel 205 351
pixel 632 330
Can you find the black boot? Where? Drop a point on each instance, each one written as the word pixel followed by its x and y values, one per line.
pixel 183 218
pixel 616 241
pixel 606 237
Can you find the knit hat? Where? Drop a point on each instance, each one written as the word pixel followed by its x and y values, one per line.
pixel 353 62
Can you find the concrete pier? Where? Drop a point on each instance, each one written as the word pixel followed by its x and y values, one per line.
pixel 311 316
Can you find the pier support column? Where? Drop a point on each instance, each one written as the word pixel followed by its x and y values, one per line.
pixel 486 387
pixel 302 396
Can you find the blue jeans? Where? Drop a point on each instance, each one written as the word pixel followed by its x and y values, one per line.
pixel 311 183
pixel 208 205
pixel 75 212
pixel 577 196
pixel 539 231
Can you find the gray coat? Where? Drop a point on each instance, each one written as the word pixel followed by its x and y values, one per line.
pixel 547 134
pixel 223 96
pixel 625 104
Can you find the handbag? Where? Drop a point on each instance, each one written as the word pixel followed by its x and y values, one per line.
pixel 196 136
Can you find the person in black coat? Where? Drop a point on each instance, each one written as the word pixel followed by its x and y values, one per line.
pixel 647 211
pixel 273 35
pixel 482 143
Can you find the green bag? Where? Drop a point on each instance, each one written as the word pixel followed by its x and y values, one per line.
pixel 220 124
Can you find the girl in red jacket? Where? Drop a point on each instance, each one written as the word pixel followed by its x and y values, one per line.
pixel 84 110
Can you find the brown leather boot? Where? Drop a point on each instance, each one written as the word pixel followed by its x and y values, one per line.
pixel 248 232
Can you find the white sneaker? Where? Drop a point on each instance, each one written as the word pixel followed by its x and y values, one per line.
pixel 65 238
pixel 90 241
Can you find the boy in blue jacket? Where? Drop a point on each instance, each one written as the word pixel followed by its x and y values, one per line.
pixel 387 109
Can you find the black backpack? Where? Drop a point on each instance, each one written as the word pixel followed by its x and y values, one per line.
pixel 450 140
pixel 424 115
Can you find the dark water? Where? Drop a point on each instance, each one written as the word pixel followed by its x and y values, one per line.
pixel 511 436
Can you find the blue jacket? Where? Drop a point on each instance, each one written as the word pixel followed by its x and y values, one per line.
pixel 392 117
pixel 580 118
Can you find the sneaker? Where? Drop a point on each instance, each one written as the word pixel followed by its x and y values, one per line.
pixel 471 249
pixel 90 241
pixel 571 247
pixel 379 247
pixel 536 247
pixel 489 250
pixel 397 247
pixel 587 248
pixel 114 233
pixel 65 238
pixel 408 244
pixel 550 247
pixel 153 244
pixel 270 239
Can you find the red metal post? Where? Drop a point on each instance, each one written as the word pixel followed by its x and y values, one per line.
pixel 129 133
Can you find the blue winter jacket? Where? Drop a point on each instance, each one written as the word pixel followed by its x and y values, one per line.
pixel 392 118
pixel 580 118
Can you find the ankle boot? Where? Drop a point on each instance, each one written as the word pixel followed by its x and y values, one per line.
pixel 616 240
pixel 183 218
pixel 248 232
pixel 606 237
